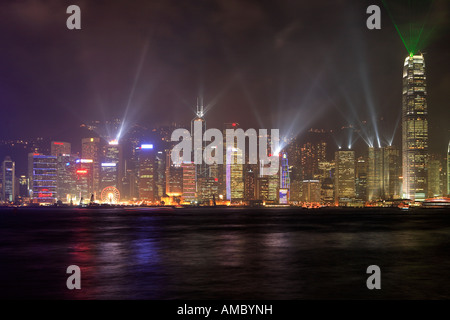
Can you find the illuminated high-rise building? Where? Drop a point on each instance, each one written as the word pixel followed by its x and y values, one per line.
pixel 375 178
pixel 8 180
pixel 174 178
pixel 147 172
pixel 207 190
pixel 267 185
pixel 345 190
pixel 392 170
pixel 383 175
pixel 434 177
pixel 65 170
pixel 23 186
pixel 90 149
pixel 313 151
pixel 108 175
pixel 250 178
pixel 42 174
pixel 66 177
pixel 285 181
pixel 84 181
pixel 311 191
pixel 198 146
pixel 293 150
pixel 326 178
pixel 160 167
pixel 414 128
pixel 59 148
pixel 189 182
pixel 361 178
pixel 111 167
pixel 233 172
pixel 130 181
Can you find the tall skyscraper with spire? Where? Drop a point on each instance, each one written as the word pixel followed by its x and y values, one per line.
pixel 199 123
pixel 414 128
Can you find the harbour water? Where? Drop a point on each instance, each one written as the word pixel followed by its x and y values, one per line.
pixel 229 253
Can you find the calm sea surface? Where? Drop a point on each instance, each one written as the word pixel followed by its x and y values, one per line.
pixel 203 253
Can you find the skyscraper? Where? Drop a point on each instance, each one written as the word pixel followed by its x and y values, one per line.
pixel 147 172
pixel 111 169
pixel 60 148
pixel 198 143
pixel 189 188
pixel 414 128
pixel 313 151
pixel 327 173
pixel 361 178
pixel 90 149
pixel 66 177
pixel 42 172
pixel 375 181
pixel 293 150
pixel 174 178
pixel 9 180
pixel 233 172
pixel 311 191
pixel 84 176
pixel 344 176
pixel 434 177
pixel 285 182
pixel 250 178
pixel 392 172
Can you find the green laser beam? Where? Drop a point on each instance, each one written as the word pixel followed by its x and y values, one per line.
pixel 395 25
pixel 423 27
pixel 411 38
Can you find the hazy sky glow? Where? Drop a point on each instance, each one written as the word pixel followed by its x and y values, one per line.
pixel 265 64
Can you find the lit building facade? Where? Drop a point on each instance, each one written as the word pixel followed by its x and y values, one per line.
pixel 233 172
pixel 8 180
pixel 313 151
pixel 147 172
pixel 361 178
pixel 59 148
pixel 108 175
pixel 250 178
pixel 90 149
pixel 174 178
pixel 311 191
pixel 326 178
pixel 84 181
pixel 392 170
pixel 189 182
pixel 345 190
pixel 434 177
pixel 42 172
pixel 112 154
pixel 414 128
pixel 207 190
pixel 198 147
pixel 285 182
pixel 66 177
pixel 375 177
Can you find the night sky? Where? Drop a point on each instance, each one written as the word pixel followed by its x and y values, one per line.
pixel 284 64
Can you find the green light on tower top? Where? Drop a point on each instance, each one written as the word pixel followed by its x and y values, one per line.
pixel 411 54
